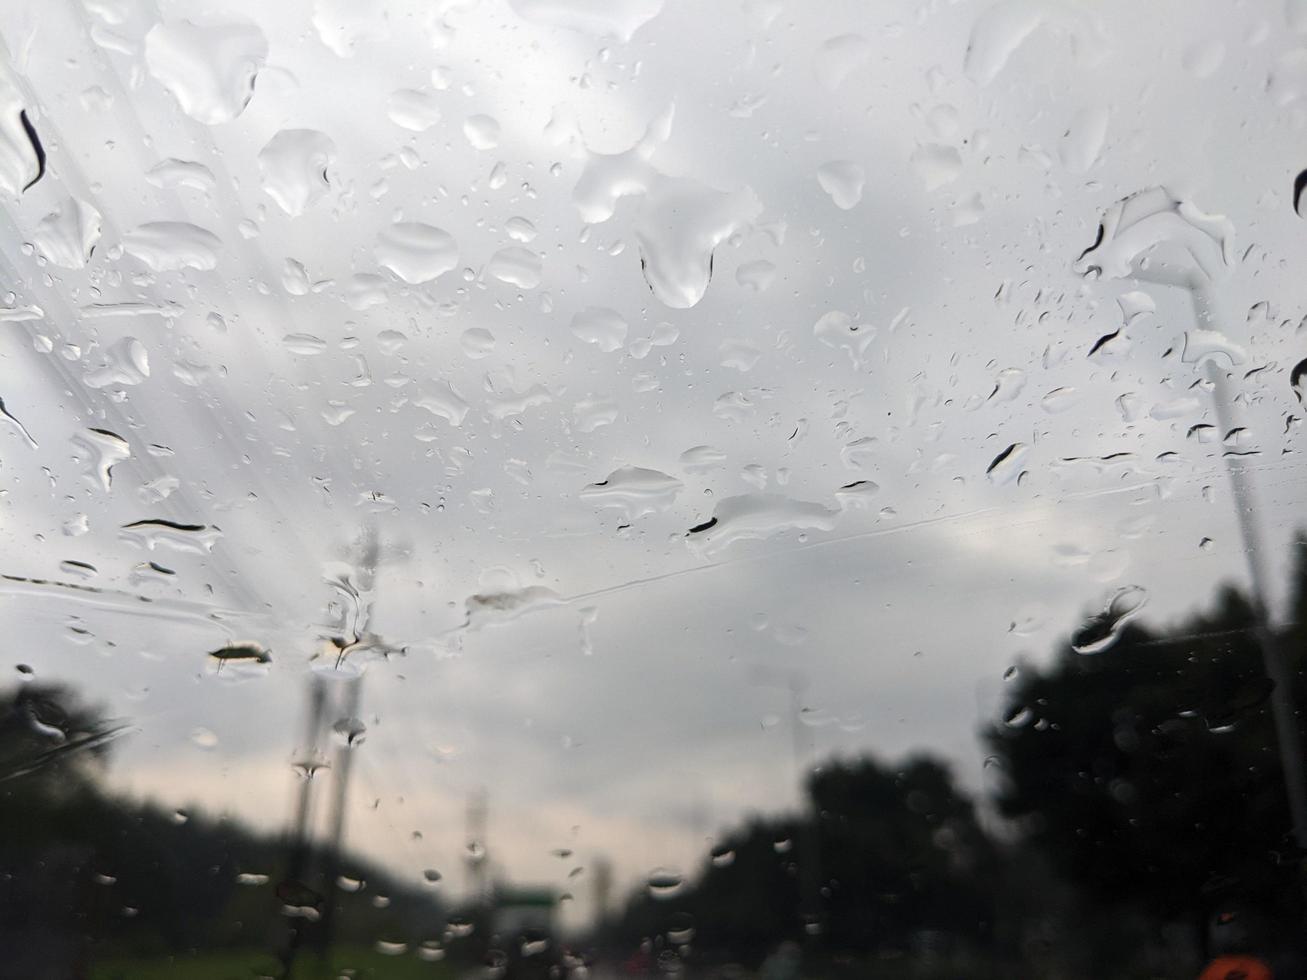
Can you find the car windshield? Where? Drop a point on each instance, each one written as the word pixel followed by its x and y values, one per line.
pixel 599 488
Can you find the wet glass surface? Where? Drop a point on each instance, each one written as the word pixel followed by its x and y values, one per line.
pixel 634 487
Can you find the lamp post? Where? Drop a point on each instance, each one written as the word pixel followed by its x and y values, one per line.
pixel 1132 227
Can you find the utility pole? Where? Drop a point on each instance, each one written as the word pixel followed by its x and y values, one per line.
pixel 476 854
pixel 298 859
pixel 1197 281
pixel 808 858
pixel 353 693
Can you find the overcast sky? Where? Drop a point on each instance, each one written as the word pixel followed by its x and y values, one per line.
pixel 450 337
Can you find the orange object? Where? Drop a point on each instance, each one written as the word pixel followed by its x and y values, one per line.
pixel 1236 968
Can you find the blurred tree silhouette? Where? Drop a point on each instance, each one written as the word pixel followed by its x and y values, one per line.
pixel 1149 773
pixel 85 875
pixel 906 866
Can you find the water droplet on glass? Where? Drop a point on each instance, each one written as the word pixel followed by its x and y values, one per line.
pixel 78 569
pixel 758 516
pixel 520 230
pixel 105 450
pixel 1008 465
pixel 1138 223
pixel 722 856
pixel 208 67
pixel 22 157
pixel 10 419
pixel 295 165
pixel 843 181
pixel 150 534
pixel 1103 630
pixel 416 252
pixel 1298 381
pixel 601 326
pixel 838 329
pixel 937 165
pixel 681 224
pixel 663 883
pixel 172 173
pixel 66 236
pixel 516 266
pixel 413 109
pixel 634 491
pixel 477 342
pixel 481 131
pixel 169 246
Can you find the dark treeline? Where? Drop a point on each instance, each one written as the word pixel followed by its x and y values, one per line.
pixel 88 877
pixel 1140 826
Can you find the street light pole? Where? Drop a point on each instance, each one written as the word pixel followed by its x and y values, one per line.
pixel 1284 710
pixel 1275 661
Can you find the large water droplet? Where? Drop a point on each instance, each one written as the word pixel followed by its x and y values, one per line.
pixel 209 68
pixel 481 131
pixel 126 363
pixel 681 224
pixel 758 516
pixel 22 157
pixel 295 166
pixel 516 266
pixel 599 325
pixel 838 329
pixel 416 110
pixel 1008 465
pixel 442 401
pixel 503 605
pixel 194 538
pixel 66 236
pixel 172 173
pixel 105 449
pixel 1103 630
pixel 937 164
pixel 1298 381
pixel 634 491
pixel 702 459
pixel 477 342
pixel 1140 222
pixel 416 252
pixel 663 883
pixel 843 181
pixel 169 246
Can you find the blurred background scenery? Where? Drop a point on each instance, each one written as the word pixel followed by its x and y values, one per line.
pixel 602 488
